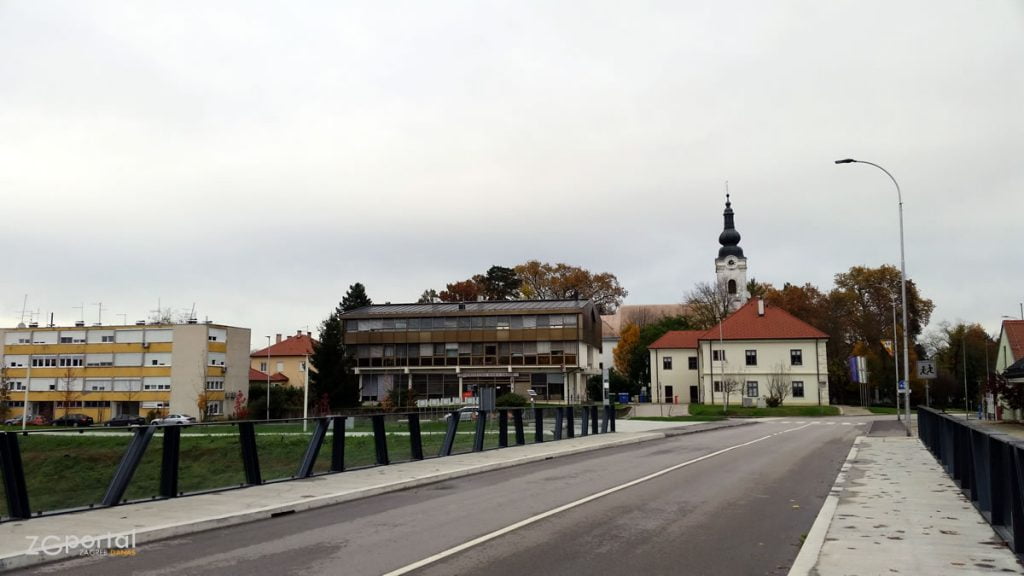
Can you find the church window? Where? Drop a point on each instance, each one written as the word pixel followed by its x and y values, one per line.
pixel 732 287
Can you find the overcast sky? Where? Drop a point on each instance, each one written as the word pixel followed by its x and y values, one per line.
pixel 256 158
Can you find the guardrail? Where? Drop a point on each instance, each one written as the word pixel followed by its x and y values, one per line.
pixel 988 467
pixel 65 470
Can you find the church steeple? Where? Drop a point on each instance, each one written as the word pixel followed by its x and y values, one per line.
pixel 730 237
pixel 731 265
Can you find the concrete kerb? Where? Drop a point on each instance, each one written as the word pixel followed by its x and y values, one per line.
pixel 815 540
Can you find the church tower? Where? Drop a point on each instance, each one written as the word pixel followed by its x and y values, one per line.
pixel 731 265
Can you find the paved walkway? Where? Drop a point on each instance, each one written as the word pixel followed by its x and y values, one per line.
pixel 894 510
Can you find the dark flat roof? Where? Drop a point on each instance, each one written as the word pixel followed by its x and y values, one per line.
pixel 512 306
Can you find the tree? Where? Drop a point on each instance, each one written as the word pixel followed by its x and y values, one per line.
pixel 629 339
pixel 961 354
pixel 730 385
pixel 5 392
pixel 543 281
pixel 500 283
pixel 241 411
pixel 203 404
pixel 355 298
pixel 464 291
pixel 778 385
pixel 333 374
pixel 708 304
pixel 429 296
pixel 68 394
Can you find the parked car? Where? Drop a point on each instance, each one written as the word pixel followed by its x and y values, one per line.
pixel 465 413
pixel 40 421
pixel 180 419
pixel 126 420
pixel 73 420
pixel 16 421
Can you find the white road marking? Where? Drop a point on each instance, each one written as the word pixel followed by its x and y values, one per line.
pixel 523 523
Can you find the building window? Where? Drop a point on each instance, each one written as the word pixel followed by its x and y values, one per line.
pixel 280 365
pixel 718 355
pixel 796 357
pixel 732 287
pixel 718 386
pixel 65 339
pixel 692 361
pixel 666 363
pixel 798 389
pixel 215 384
pixel 107 339
pixel 213 409
pixel 752 389
pixel 263 366
pixel 751 357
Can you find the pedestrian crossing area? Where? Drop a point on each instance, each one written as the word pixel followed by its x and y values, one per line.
pixel 820 423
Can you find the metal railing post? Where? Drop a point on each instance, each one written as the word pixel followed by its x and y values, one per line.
pixel 169 460
pixel 415 436
pixel 517 419
pixel 585 420
pixel 538 425
pixel 128 465
pixel 250 456
pixel 570 426
pixel 604 419
pixel 449 435
pixel 13 476
pixel 338 443
pixel 503 428
pixel 481 429
pixel 380 439
pixel 593 419
pixel 313 448
pixel 559 421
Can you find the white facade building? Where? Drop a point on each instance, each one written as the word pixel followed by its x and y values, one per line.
pixel 754 347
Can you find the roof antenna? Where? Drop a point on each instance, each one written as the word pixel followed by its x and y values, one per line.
pixel 726 191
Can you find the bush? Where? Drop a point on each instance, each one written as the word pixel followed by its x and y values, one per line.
pixel 773 402
pixel 511 400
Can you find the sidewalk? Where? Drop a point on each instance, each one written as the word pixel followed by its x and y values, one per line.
pixel 894 510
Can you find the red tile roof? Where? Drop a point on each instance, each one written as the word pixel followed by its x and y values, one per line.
pixel 295 345
pixel 257 376
pixel 1014 330
pixel 776 324
pixel 677 339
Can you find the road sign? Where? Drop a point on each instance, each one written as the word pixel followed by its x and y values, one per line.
pixel 902 385
pixel 926 369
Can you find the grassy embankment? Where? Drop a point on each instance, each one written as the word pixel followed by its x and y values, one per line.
pixel 781 411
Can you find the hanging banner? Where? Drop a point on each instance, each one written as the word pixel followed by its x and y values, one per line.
pixel 888 345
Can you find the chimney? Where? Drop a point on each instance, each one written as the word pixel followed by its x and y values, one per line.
pixel 760 306
pixel 278 338
pixel 298 332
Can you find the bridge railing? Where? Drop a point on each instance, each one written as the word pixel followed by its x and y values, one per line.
pixel 988 467
pixel 54 471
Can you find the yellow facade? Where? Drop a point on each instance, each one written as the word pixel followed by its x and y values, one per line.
pixel 88 370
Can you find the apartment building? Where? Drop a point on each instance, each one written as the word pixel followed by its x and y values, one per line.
pixel 448 351
pixel 103 371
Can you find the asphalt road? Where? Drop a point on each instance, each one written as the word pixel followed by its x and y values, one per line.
pixel 731 501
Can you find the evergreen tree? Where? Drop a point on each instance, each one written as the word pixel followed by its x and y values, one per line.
pixel 355 298
pixel 333 376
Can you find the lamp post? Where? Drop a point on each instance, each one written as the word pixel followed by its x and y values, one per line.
pixel 896 355
pixel 903 285
pixel 268 378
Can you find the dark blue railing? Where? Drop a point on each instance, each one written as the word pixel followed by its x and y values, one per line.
pixel 988 467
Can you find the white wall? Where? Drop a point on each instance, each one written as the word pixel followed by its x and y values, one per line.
pixel 772 355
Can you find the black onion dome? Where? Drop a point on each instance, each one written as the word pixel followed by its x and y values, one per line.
pixel 730 237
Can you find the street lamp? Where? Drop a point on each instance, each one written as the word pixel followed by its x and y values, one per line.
pixel 268 378
pixel 903 284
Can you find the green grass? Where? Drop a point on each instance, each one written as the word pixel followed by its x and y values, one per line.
pixel 882 409
pixel 785 411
